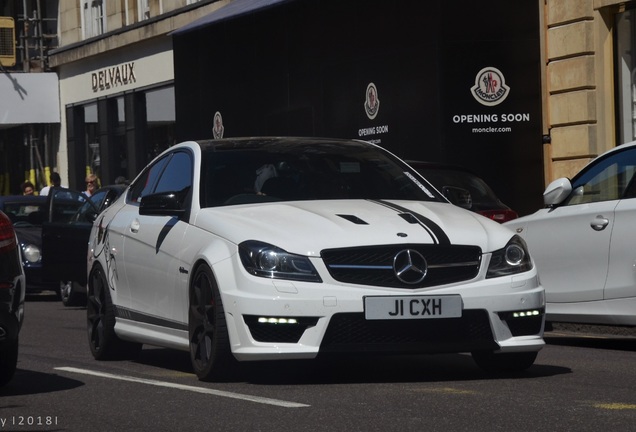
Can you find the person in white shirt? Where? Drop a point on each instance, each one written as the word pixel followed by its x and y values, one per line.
pixel 55 181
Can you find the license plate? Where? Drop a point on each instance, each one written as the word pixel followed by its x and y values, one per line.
pixel 412 307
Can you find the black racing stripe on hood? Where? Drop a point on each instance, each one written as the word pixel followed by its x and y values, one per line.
pixel 437 234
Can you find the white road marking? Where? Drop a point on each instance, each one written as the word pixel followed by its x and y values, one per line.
pixel 257 399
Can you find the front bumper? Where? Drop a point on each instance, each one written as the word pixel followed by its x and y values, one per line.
pixel 276 319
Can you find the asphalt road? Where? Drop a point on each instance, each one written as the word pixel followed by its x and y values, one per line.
pixel 582 381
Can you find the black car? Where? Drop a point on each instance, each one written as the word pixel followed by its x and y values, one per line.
pixel 12 289
pixel 28 213
pixel 65 237
pixel 466 189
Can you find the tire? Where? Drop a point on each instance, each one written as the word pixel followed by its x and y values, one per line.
pixel 72 294
pixel 504 363
pixel 210 352
pixel 8 361
pixel 100 314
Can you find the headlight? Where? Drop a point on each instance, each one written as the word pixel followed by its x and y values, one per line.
pixel 31 253
pixel 264 260
pixel 514 258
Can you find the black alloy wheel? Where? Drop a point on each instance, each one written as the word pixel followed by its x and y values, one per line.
pixel 210 352
pixel 104 343
pixel 72 294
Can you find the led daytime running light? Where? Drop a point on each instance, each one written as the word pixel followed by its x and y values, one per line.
pixel 524 314
pixel 272 320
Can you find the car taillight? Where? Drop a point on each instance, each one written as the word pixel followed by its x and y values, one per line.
pixel 7 234
pixel 500 216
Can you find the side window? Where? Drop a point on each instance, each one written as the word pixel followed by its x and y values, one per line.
pixel 606 180
pixel 98 197
pixel 177 175
pixel 89 206
pixel 144 184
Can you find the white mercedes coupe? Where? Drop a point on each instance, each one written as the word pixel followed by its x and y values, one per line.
pixel 292 248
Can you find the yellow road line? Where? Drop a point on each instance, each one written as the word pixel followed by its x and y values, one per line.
pixel 615 406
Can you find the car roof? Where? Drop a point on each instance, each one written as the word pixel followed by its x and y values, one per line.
pixel 265 142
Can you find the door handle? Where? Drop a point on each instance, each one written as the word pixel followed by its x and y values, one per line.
pixel 134 226
pixel 599 223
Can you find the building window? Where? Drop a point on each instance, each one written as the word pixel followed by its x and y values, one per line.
pixel 143 6
pixel 160 120
pixel 93 18
pixel 93 161
pixel 119 157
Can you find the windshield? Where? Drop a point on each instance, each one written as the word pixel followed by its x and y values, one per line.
pixel 481 195
pixel 26 213
pixel 312 172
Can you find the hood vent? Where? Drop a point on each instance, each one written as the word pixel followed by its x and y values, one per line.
pixel 355 219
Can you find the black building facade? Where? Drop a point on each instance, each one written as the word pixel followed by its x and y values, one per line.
pixel 456 82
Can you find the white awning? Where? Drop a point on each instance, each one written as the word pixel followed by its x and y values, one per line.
pixel 27 98
pixel 234 9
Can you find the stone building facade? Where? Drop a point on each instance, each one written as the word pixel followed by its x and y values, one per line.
pixel 583 89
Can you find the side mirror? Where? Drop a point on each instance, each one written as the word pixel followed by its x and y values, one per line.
pixel 557 191
pixel 458 196
pixel 162 204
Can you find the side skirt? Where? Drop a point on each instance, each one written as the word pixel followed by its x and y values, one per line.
pixel 137 327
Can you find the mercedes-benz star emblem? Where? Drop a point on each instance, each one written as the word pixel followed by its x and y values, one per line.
pixel 410 266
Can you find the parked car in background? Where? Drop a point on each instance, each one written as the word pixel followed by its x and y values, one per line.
pixel 12 290
pixel 28 213
pixel 583 241
pixel 290 248
pixel 466 189
pixel 65 237
pixel 33 221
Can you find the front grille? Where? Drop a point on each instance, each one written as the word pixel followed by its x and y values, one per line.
pixel 350 332
pixel 374 265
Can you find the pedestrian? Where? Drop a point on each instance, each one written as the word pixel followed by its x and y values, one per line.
pixel 55 181
pixel 27 188
pixel 91 185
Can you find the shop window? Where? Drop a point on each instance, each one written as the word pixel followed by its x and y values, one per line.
pixel 119 158
pixel 160 120
pixel 93 18
pixel 93 161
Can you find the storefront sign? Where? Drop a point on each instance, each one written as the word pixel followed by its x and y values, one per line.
pixel 115 76
pixel 490 87
pixel 490 90
pixel 372 102
pixel 218 129
pixel 371 108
